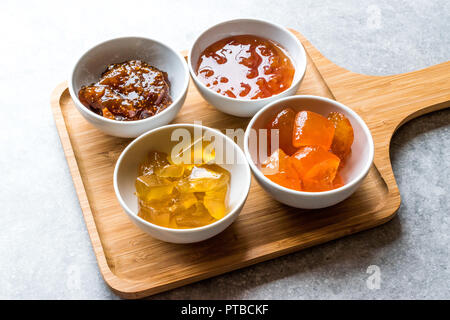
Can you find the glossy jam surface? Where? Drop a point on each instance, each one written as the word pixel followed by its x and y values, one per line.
pixel 279 168
pixel 311 128
pixel 284 123
pixel 245 67
pixel 181 195
pixel 343 135
pixel 313 150
pixel 131 90
pixel 317 167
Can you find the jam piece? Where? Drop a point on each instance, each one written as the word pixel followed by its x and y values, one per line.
pixel 343 135
pixel 214 202
pixel 195 218
pixel 181 195
pixel 131 90
pixel 170 171
pixel 284 123
pixel 200 151
pixel 279 168
pixel 205 178
pixel 245 66
pixel 155 211
pixel 154 161
pixel 182 201
pixel 152 187
pixel 312 129
pixel 316 166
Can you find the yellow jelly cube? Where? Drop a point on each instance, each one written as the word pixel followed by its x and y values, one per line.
pixel 187 199
pixel 200 217
pixel 203 179
pixel 152 187
pixel 183 201
pixel 162 219
pixel 171 171
pixel 156 215
pixel 198 152
pixel 215 203
pixel 218 169
pixel 154 161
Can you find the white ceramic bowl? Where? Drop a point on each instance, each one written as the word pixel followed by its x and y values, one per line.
pixel 159 139
pixel 356 167
pixel 93 63
pixel 241 107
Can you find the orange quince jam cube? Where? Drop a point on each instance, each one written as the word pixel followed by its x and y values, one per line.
pixel 279 169
pixel 316 166
pixel 283 121
pixel 310 129
pixel 343 135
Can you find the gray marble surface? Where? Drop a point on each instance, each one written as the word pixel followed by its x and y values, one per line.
pixel 44 246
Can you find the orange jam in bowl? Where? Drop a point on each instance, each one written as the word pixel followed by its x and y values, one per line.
pixel 246 67
pixel 313 150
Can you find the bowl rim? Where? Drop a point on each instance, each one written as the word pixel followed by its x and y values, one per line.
pixel 228 216
pixel 346 186
pixel 302 64
pixel 79 105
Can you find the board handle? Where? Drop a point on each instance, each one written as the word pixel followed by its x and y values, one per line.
pixel 420 92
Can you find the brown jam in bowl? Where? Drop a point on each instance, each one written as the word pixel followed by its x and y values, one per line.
pixel 132 90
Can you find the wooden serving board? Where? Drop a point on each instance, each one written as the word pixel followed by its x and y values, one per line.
pixel 135 265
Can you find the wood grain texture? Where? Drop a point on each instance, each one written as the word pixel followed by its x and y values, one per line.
pixel 135 265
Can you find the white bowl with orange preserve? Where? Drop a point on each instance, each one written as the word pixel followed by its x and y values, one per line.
pixel 241 65
pixel 308 152
pixel 182 183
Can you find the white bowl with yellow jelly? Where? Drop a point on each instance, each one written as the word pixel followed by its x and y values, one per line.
pixel 170 140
